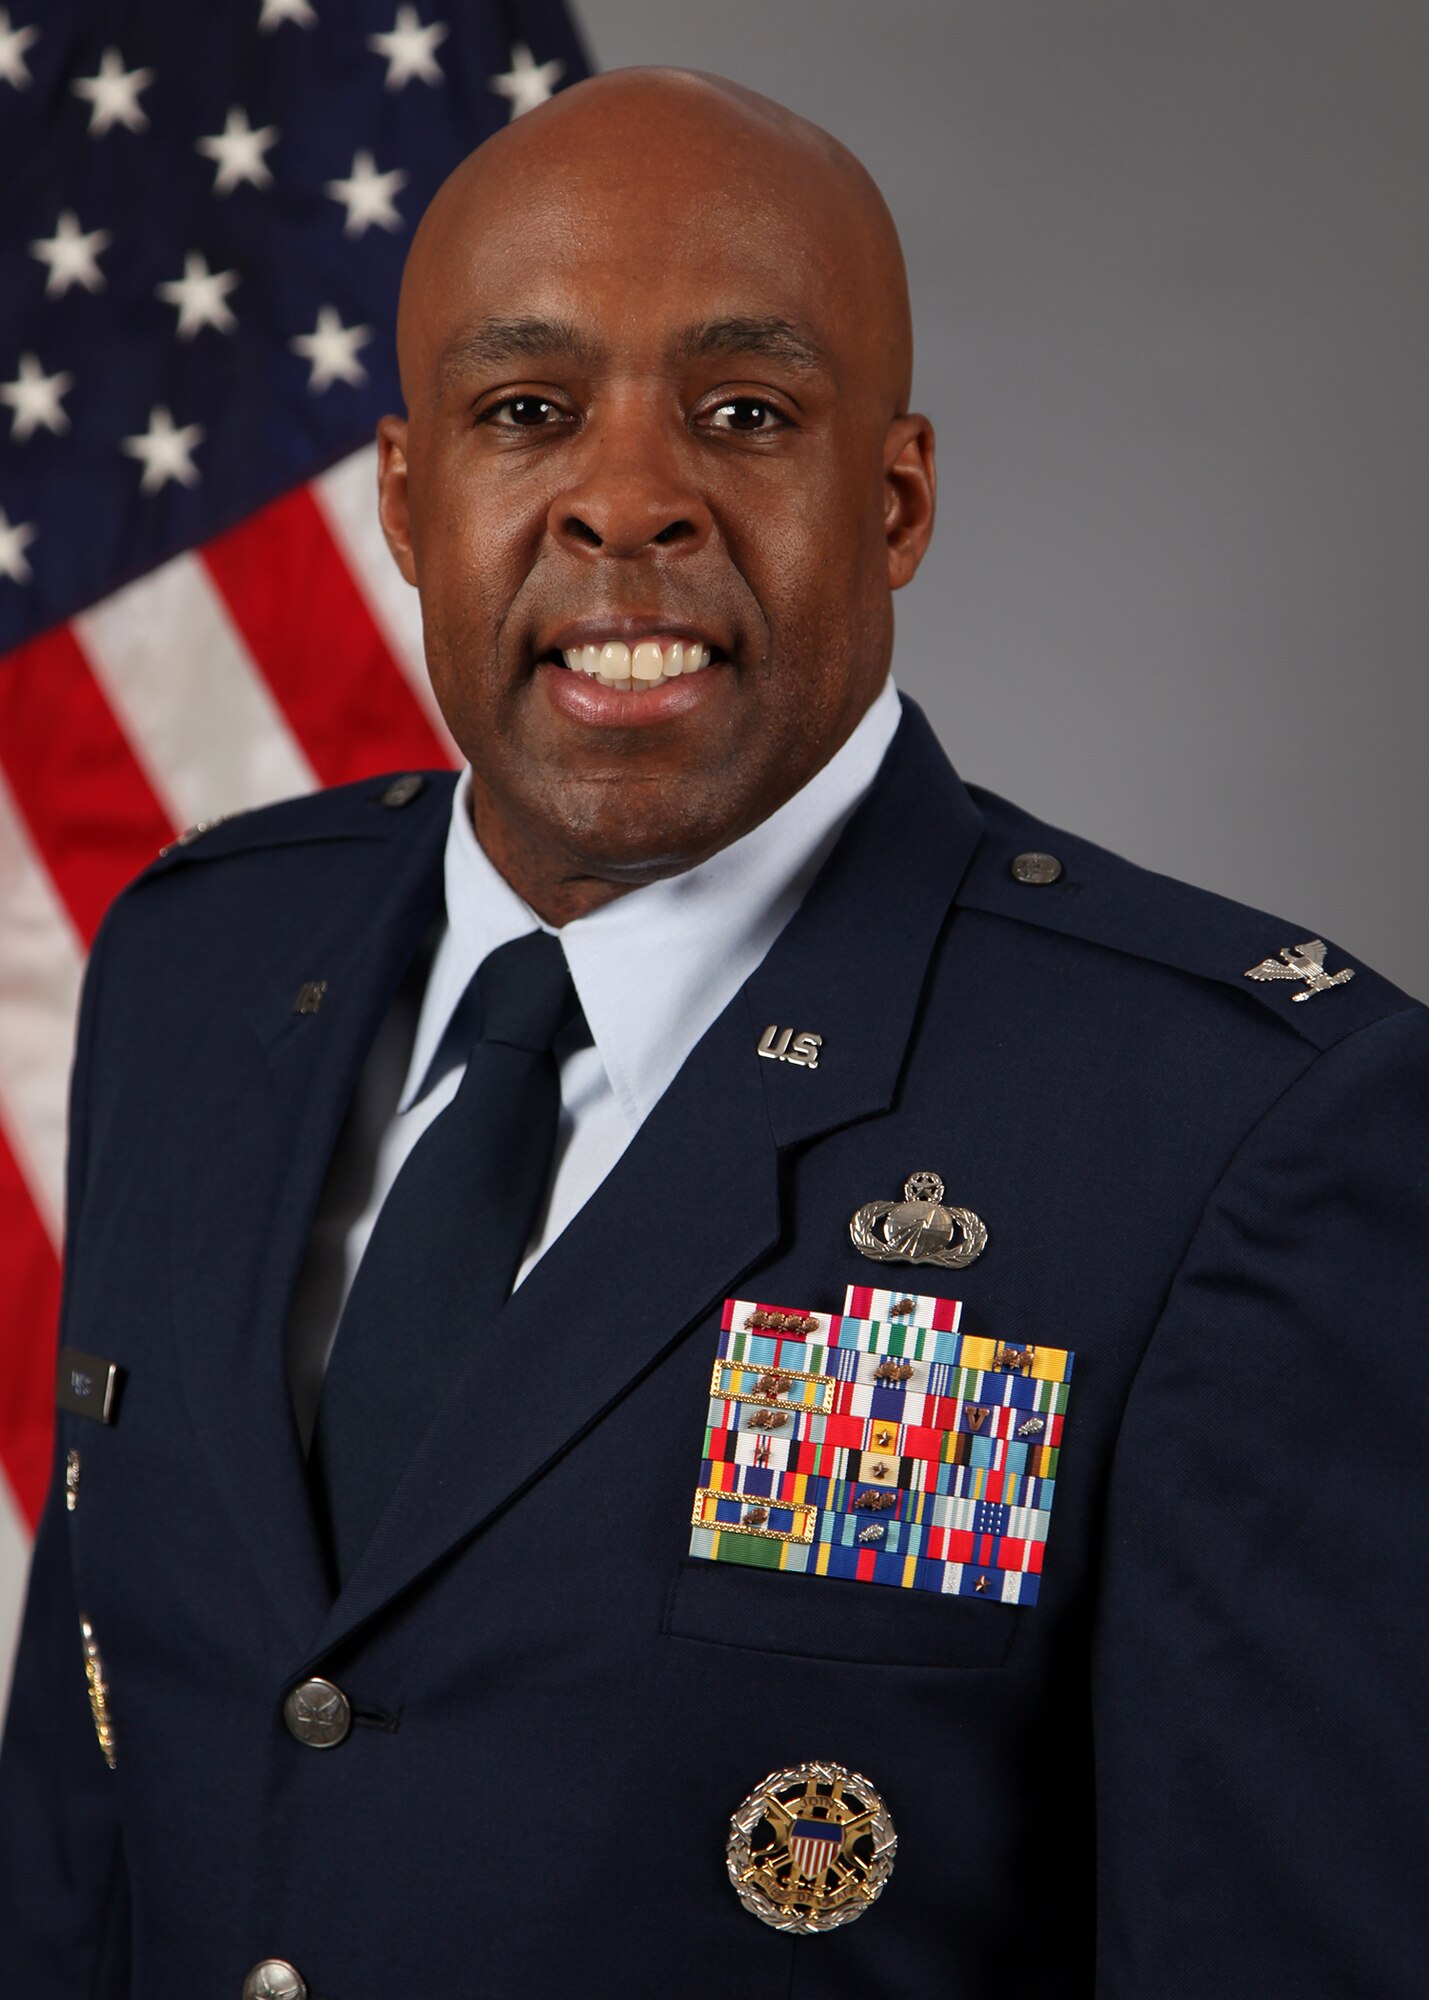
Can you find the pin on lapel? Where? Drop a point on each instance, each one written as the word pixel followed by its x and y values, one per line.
pixel 1302 961
pixel 98 1693
pixel 310 996
pixel 920 1229
pixel 783 1045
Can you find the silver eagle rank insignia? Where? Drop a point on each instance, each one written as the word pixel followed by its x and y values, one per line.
pixel 1302 961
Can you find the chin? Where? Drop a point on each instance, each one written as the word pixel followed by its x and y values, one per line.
pixel 639 842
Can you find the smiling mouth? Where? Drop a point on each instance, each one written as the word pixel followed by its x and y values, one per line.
pixel 636 669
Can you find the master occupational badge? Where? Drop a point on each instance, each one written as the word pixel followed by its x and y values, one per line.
pixel 920 1229
pixel 811 1848
pixel 881 1445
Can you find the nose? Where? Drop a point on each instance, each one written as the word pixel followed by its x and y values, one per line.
pixel 630 489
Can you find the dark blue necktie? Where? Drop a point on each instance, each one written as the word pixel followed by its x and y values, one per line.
pixel 448 1241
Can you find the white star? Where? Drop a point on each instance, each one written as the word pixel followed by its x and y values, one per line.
pixel 527 83
pixel 13 44
pixel 72 255
pixel 331 350
pixel 113 95
pixel 275 12
pixel 201 296
pixel 410 49
pixel 15 538
pixel 239 152
pixel 167 452
pixel 367 196
pixel 35 396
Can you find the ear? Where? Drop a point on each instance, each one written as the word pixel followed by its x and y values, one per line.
pixel 392 507
pixel 910 495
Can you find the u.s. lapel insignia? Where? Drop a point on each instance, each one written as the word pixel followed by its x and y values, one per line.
pixel 1302 961
pixel 811 1848
pixel 920 1229
pixel 783 1045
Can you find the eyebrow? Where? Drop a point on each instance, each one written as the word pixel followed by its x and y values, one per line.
pixel 496 341
pixel 766 339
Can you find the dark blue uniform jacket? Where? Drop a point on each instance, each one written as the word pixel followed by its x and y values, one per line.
pixel 1193 1770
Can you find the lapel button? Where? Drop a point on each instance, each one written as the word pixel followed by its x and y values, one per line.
pixel 1036 870
pixel 403 790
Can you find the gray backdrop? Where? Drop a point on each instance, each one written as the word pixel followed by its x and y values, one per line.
pixel 1170 280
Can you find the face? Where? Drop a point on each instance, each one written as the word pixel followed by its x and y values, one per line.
pixel 653 490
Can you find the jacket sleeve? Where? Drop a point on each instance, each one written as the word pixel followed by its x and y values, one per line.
pixel 64 1900
pixel 1258 1665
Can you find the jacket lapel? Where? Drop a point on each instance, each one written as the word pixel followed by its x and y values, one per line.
pixel 269 1103
pixel 850 965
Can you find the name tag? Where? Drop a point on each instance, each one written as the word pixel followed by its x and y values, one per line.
pixel 87 1385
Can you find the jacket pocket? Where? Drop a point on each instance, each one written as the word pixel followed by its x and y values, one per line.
pixel 825 1618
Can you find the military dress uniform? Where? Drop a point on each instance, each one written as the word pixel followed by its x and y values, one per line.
pixel 1155 1735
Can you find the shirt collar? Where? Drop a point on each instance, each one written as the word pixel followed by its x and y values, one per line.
pixel 655 968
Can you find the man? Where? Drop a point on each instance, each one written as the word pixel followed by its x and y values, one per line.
pixel 977 1673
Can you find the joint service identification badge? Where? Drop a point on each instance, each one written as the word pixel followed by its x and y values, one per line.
pixel 811 1848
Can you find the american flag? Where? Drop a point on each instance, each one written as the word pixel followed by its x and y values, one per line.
pixel 206 208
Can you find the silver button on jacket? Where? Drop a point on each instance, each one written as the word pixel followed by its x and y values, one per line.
pixel 275 1979
pixel 318 1714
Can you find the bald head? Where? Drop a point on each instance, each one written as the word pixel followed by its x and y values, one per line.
pixel 657 476
pixel 677 142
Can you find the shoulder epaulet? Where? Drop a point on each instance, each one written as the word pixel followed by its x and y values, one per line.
pixel 364 810
pixel 1037 874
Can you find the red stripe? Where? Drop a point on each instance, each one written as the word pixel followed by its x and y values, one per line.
pixel 92 812
pixel 303 619
pixel 30 1287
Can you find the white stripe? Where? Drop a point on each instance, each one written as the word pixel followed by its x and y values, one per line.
pixel 40 974
pixel 14 1568
pixel 198 715
pixel 346 495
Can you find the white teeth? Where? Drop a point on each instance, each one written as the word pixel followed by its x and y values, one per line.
pixel 649 665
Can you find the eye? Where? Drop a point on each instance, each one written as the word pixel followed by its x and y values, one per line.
pixel 527 413
pixel 746 416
